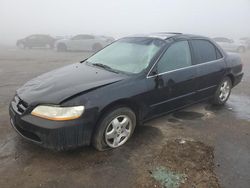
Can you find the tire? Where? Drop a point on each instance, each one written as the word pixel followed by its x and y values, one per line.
pixel 61 47
pixel 241 49
pixel 114 129
pixel 96 47
pixel 221 95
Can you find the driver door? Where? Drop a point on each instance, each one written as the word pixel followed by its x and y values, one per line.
pixel 174 85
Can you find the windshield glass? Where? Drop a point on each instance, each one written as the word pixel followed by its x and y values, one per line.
pixel 131 55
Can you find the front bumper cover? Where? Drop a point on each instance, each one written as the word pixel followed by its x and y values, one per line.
pixel 57 135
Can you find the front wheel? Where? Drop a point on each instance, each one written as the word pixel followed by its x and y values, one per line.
pixel 223 92
pixel 114 129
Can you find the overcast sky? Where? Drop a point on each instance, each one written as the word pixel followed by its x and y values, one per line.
pixel 19 18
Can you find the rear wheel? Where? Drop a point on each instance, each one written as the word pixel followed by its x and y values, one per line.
pixel 114 129
pixel 223 92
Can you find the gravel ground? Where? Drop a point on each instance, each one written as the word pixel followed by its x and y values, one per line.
pixel 201 146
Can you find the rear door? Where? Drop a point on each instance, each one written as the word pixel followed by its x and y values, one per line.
pixel 174 85
pixel 210 67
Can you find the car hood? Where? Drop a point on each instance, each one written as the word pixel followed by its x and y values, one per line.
pixel 56 86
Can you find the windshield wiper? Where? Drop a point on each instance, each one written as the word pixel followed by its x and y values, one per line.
pixel 82 61
pixel 106 67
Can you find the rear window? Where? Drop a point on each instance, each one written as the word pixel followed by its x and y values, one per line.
pixel 205 51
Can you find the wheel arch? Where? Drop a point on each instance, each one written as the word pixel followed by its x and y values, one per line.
pixel 133 105
pixel 231 76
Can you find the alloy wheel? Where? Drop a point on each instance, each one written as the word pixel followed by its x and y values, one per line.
pixel 118 131
pixel 224 91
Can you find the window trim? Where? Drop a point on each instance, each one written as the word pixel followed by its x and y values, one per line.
pixel 193 65
pixel 190 52
pixel 163 52
pixel 192 58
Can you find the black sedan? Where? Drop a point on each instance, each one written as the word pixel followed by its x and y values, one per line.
pixel 102 99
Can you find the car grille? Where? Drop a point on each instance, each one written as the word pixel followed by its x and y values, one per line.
pixel 19 105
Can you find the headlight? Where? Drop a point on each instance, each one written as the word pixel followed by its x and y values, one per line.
pixel 58 113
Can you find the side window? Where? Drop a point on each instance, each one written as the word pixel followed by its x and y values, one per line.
pixel 218 54
pixel 177 56
pixel 205 51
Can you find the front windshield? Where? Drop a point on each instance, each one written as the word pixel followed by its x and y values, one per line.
pixel 131 55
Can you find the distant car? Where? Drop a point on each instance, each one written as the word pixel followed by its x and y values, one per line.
pixel 107 38
pixel 246 40
pixel 231 45
pixel 102 99
pixel 36 41
pixel 83 43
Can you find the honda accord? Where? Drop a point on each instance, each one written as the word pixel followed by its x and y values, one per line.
pixel 102 99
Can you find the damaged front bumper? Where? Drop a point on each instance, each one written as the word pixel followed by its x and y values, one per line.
pixel 56 135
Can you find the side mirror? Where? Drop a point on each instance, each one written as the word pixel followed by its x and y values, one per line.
pixel 153 73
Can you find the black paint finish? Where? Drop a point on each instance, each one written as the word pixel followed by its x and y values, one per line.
pixel 148 93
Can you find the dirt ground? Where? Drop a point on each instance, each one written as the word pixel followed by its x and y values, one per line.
pixel 201 146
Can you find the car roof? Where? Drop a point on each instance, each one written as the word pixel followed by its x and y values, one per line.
pixel 168 35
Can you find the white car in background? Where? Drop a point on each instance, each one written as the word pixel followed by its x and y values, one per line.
pixel 83 42
pixel 246 40
pixel 231 45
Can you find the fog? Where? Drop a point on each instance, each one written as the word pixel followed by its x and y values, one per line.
pixel 123 17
